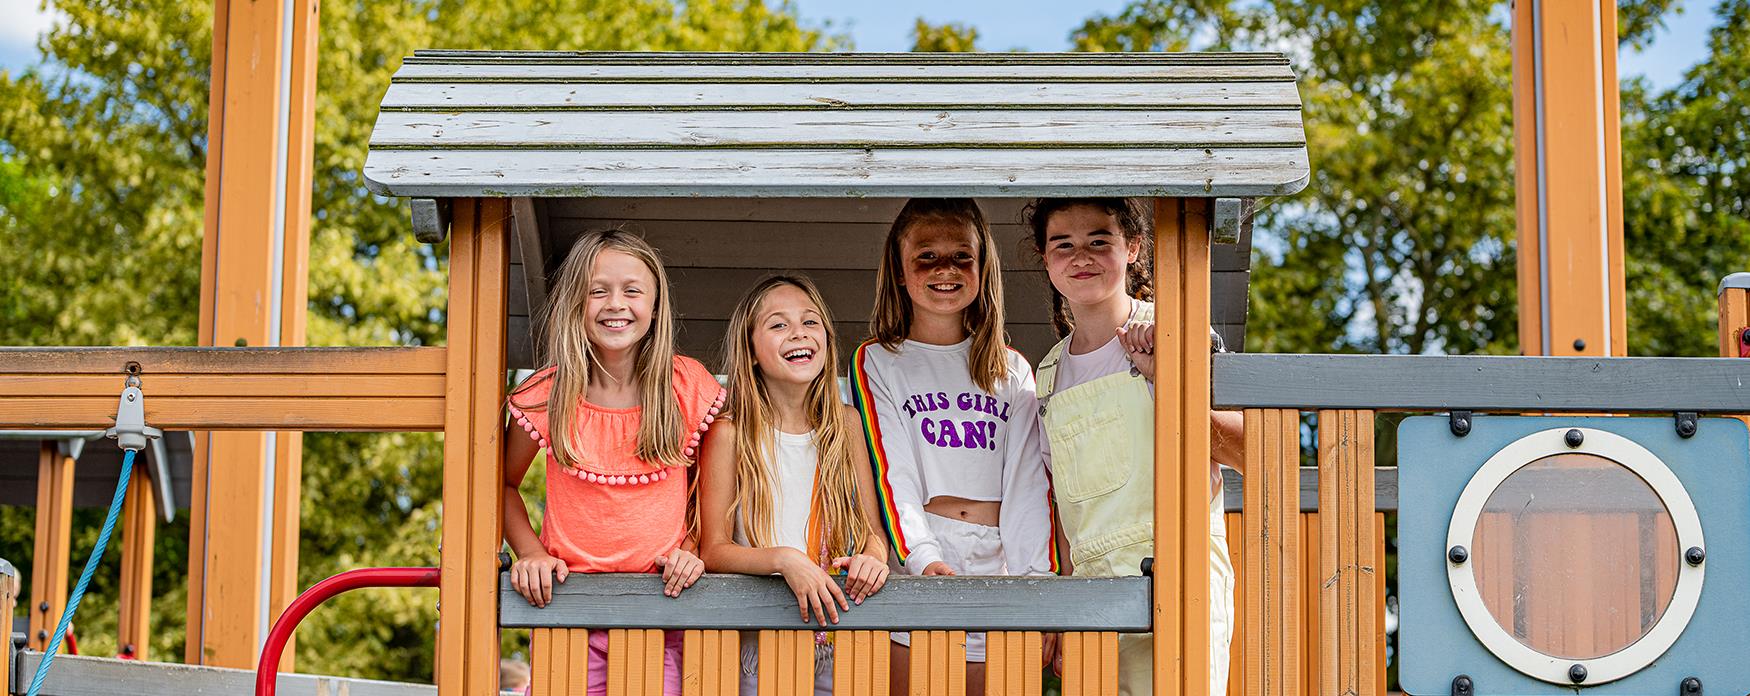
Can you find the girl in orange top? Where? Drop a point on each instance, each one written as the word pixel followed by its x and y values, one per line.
pixel 631 413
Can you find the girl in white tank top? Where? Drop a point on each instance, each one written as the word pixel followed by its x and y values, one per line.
pixel 785 488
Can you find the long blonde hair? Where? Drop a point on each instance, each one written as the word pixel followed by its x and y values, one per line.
pixel 750 407
pixel 988 361
pixel 568 351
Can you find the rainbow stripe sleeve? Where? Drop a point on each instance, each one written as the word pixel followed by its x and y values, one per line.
pixel 864 400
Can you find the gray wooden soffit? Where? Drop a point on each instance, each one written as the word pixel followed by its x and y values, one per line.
pixel 1481 383
pixel 78 675
pixel 545 124
pixel 906 603
pixel 1385 490
pixel 431 219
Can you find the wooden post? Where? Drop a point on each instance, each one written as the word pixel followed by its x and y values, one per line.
pixel 1735 318
pixel 54 529
pixel 1348 589
pixel 1567 130
pixel 253 290
pixel 8 605
pixel 1271 620
pixel 467 657
pixel 139 533
pixel 1181 567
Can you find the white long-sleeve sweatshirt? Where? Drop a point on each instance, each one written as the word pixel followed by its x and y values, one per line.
pixel 933 432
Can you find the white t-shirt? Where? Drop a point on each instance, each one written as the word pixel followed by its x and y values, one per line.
pixel 933 432
pixel 794 460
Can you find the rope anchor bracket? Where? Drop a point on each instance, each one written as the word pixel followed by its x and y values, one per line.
pixel 131 432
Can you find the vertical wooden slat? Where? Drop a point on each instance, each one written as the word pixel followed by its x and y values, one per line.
pixel 768 663
pixel 53 545
pixel 139 533
pixel 9 586
pixel 693 663
pixel 1108 663
pixel 955 656
pixel 1032 679
pixel 540 660
pixel 1312 632
pixel 577 678
pixel 1379 605
pixel 997 661
pixel 560 674
pixel 1071 645
pixel 473 392
pixel 1271 560
pixel 846 656
pixel 938 677
pixel 919 664
pixel 1181 570
pixel 1347 593
pixel 655 652
pixel 1734 323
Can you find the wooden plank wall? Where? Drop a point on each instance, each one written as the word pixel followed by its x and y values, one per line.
pixel 49 580
pixel 716 248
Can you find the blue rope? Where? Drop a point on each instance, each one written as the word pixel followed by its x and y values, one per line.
pixel 115 507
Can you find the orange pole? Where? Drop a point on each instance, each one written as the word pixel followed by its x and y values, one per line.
pixel 54 529
pixel 243 516
pixel 1181 567
pixel 139 533
pixel 1567 128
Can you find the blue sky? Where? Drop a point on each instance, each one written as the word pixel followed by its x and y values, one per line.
pixel 1035 25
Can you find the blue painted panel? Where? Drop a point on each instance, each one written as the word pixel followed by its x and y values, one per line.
pixel 1437 645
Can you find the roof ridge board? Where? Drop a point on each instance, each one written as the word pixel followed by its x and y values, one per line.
pixel 1177 106
pixel 725 57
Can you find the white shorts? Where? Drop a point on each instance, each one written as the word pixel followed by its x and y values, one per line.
pixel 968 549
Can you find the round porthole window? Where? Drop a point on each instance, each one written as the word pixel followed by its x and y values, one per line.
pixel 1575 556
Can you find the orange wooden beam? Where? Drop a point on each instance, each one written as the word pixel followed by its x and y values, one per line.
pixel 8 606
pixel 1567 127
pixel 139 533
pixel 467 651
pixel 368 389
pixel 1181 569
pixel 54 529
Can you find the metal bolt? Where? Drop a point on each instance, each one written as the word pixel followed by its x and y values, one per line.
pixel 1686 427
pixel 1458 555
pixel 1579 344
pixel 1577 674
pixel 1690 686
pixel 132 368
pixel 42 635
pixel 1460 423
pixel 1695 555
pixel 1463 686
pixel 242 342
pixel 1574 437
pixel 42 607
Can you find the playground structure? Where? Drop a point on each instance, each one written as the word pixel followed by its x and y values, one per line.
pixel 743 159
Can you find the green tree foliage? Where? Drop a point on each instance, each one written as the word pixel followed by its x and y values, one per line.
pixel 950 37
pixel 1686 193
pixel 102 170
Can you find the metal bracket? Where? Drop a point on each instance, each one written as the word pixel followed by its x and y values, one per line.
pixel 431 219
pixel 1463 686
pixel 130 431
pixel 1460 422
pixel 1686 424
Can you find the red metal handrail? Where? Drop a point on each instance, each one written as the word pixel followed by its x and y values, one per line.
pixel 267 671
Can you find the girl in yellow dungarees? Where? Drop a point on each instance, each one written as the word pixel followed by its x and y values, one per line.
pixel 1096 400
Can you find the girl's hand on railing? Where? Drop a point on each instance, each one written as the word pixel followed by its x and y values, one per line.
pixel 864 575
pixel 1138 340
pixel 813 587
pixel 938 568
pixel 680 569
pixel 532 577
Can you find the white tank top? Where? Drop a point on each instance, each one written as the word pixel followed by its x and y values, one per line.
pixel 794 460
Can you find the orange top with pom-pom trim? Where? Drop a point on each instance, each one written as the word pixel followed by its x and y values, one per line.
pixel 613 512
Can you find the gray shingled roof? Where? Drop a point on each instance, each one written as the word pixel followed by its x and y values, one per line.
pixel 556 124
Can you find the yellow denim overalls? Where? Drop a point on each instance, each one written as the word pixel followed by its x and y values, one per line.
pixel 1102 470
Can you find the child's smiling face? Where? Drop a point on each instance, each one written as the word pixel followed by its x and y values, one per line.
pixel 621 301
pixel 789 336
pixel 1086 255
pixel 940 259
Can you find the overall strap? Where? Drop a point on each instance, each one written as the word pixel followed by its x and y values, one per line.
pixel 1045 376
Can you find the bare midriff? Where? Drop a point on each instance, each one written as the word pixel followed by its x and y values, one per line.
pixel 983 512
